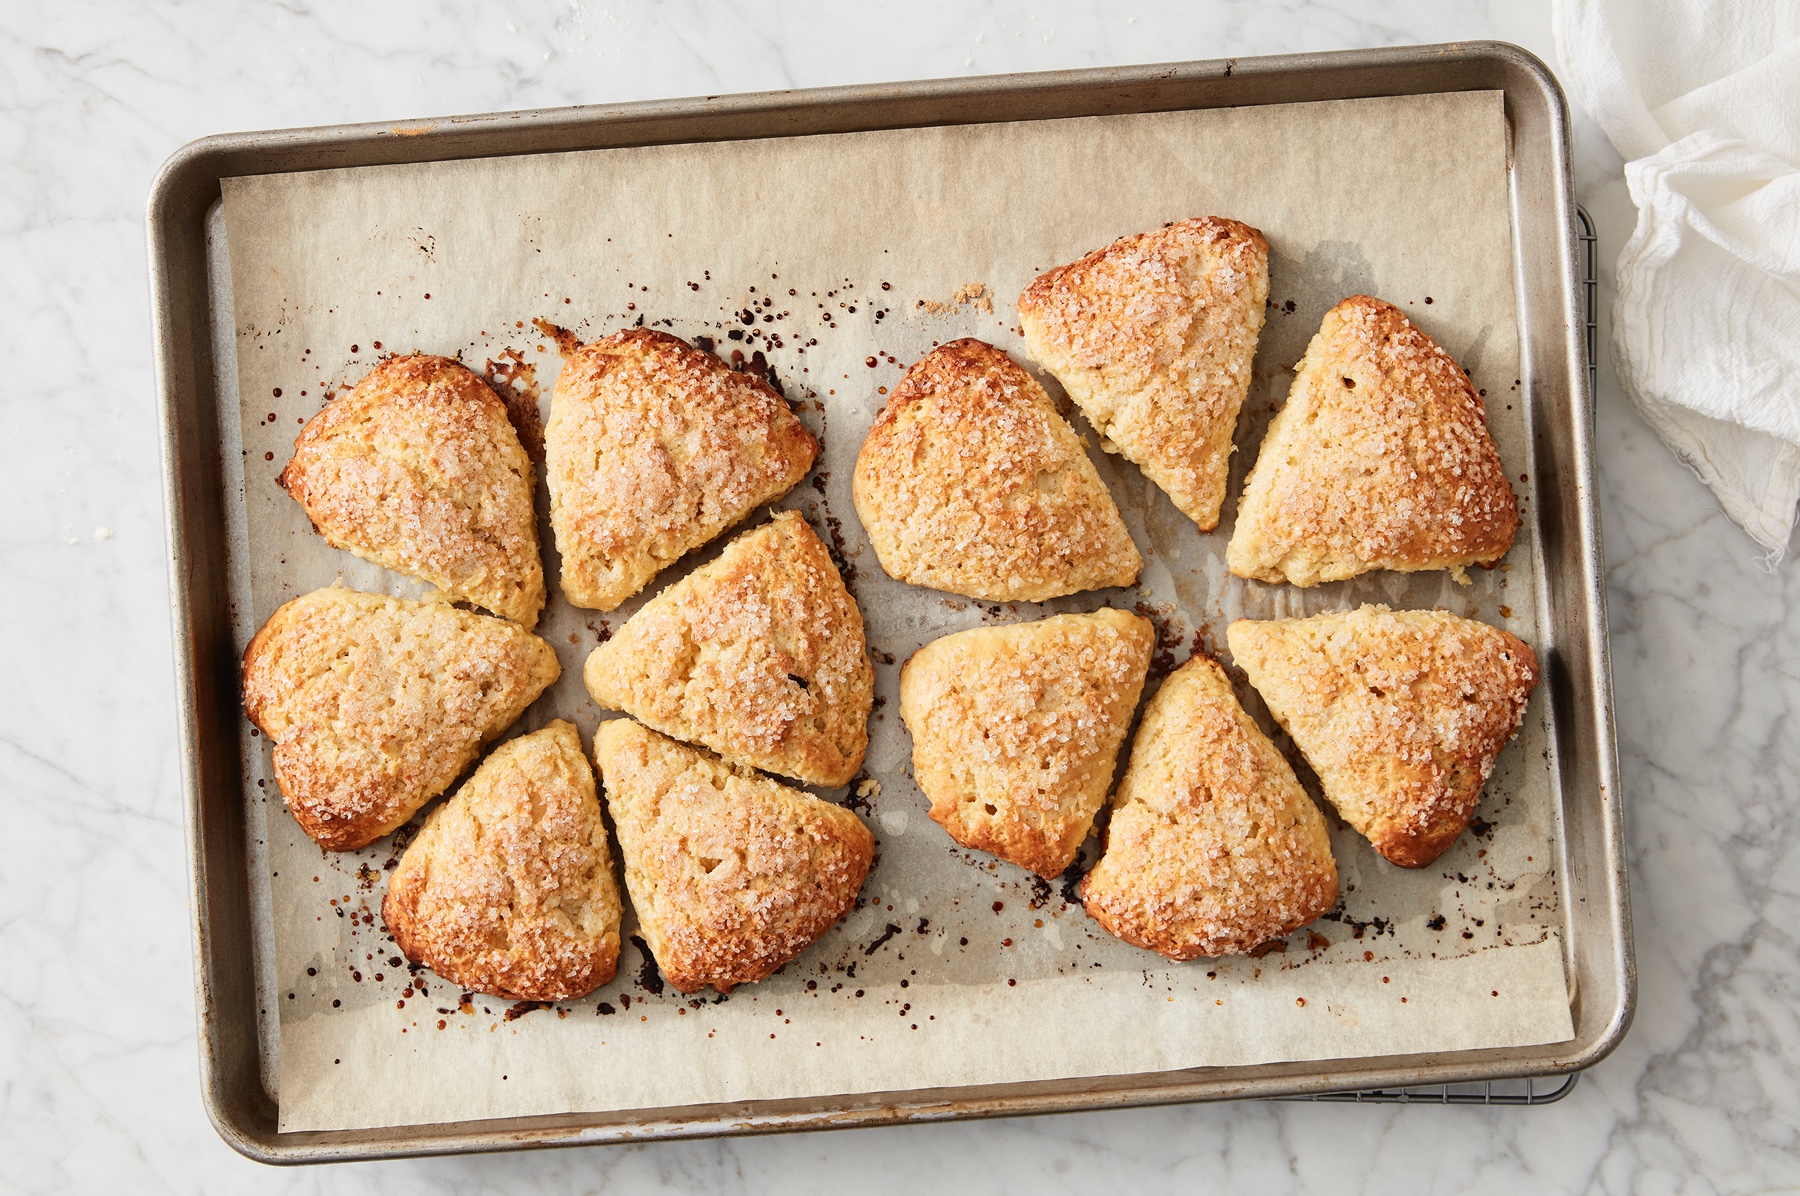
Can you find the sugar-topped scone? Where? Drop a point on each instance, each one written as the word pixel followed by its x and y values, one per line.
pixel 1016 729
pixel 419 469
pixel 1380 459
pixel 375 705
pixel 508 888
pixel 653 448
pixel 1402 713
pixel 759 655
pixel 971 482
pixel 1214 848
pixel 1153 337
pixel 732 874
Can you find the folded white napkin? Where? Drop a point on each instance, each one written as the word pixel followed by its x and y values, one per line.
pixel 1702 99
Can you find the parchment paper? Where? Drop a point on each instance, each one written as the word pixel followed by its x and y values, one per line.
pixel 842 259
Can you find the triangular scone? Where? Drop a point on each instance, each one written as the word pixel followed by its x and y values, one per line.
pixel 1214 848
pixel 375 705
pixel 1016 729
pixel 759 655
pixel 732 874
pixel 1153 338
pixel 1380 459
pixel 971 482
pixel 653 448
pixel 419 470
pixel 508 888
pixel 1401 713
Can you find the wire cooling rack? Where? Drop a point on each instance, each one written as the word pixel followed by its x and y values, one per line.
pixel 1590 291
pixel 1531 1090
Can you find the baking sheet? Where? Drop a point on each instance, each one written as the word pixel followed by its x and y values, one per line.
pixel 888 242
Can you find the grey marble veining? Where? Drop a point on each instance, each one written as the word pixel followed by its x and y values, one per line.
pixel 98 1084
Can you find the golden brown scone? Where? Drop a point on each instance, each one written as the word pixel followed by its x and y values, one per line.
pixel 759 655
pixel 1381 459
pixel 419 470
pixel 508 888
pixel 654 447
pixel 374 705
pixel 732 874
pixel 1214 848
pixel 971 482
pixel 1016 729
pixel 1401 713
pixel 1153 338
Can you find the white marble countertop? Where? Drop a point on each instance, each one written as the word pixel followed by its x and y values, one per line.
pixel 98 1073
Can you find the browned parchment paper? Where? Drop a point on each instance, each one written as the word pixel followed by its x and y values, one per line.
pixel 827 254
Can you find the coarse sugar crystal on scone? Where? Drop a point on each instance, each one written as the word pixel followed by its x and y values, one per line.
pixel 1380 459
pixel 971 482
pixel 655 447
pixel 375 705
pixel 759 655
pixel 1213 847
pixel 508 888
pixel 1016 729
pixel 1402 714
pixel 1153 337
pixel 419 469
pixel 732 874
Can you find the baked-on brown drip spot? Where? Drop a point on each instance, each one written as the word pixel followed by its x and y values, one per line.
pixel 1153 337
pixel 732 874
pixel 971 482
pixel 655 447
pixel 375 705
pixel 1381 459
pixel 1016 729
pixel 1401 713
pixel 418 469
pixel 508 888
pixel 1214 848
pixel 759 655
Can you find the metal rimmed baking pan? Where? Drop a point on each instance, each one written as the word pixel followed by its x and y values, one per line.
pixel 192 344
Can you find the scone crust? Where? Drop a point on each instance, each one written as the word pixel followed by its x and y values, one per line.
pixel 971 482
pixel 1214 848
pixel 509 887
pixel 654 447
pixel 759 655
pixel 1381 459
pixel 1153 337
pixel 375 705
pixel 732 874
pixel 1016 729
pixel 1401 713
pixel 419 470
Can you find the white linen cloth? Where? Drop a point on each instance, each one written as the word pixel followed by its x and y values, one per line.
pixel 1702 99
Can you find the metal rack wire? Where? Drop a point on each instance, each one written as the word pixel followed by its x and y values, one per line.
pixel 1538 1090
pixel 1529 1090
pixel 1589 242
